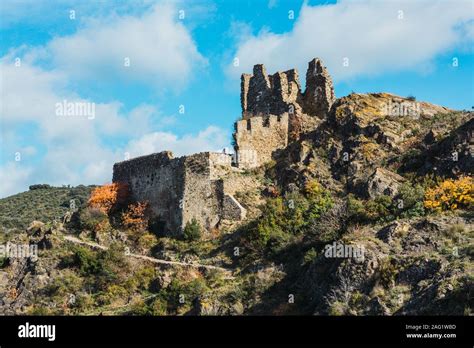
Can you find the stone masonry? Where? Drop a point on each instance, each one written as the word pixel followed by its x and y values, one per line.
pixel 258 137
pixel 180 189
pixel 274 107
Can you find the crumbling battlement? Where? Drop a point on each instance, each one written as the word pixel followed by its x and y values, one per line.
pixel 257 138
pixel 263 94
pixel 274 107
pixel 180 189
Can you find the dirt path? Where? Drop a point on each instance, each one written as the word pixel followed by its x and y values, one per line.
pixel 93 245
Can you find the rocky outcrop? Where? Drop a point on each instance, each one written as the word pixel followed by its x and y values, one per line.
pixel 383 182
pixel 404 271
pixel 452 155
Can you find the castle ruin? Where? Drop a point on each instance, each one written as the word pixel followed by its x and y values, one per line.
pixel 273 108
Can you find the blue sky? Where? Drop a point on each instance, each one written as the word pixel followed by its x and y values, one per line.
pixel 182 56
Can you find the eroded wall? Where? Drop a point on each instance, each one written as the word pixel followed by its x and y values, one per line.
pixel 257 138
pixel 178 189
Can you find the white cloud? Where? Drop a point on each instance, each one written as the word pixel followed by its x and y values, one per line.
pixel 12 176
pixel 158 46
pixel 30 94
pixel 368 32
pixel 210 139
pixel 79 149
pixel 71 149
pixel 152 48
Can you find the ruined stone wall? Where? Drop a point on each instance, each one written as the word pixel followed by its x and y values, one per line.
pixel 179 189
pixel 257 138
pixel 220 164
pixel 203 197
pixel 319 95
pixel 274 97
pixel 263 94
pixel 273 108
pixel 158 179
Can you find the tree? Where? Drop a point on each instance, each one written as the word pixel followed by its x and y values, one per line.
pixel 108 196
pixel 192 230
pixel 136 216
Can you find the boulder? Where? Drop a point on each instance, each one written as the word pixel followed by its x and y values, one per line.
pixel 383 182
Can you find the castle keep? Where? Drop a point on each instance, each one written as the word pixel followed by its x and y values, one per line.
pixel 180 189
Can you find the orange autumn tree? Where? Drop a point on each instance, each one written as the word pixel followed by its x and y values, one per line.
pixel 108 196
pixel 135 217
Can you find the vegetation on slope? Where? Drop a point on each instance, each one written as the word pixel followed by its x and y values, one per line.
pixel 413 225
pixel 41 202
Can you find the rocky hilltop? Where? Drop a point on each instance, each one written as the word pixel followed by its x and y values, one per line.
pixel 359 205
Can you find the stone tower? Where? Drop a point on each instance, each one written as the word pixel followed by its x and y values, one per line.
pixel 274 108
pixel 319 94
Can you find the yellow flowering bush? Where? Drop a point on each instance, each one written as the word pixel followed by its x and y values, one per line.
pixel 451 194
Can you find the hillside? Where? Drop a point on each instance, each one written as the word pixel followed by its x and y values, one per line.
pixel 368 213
pixel 41 202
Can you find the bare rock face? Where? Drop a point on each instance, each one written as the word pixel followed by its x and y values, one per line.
pixel 43 237
pixel 451 155
pixel 319 95
pixel 383 182
pixel 402 272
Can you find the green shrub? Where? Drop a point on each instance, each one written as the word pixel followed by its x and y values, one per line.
pixel 66 284
pixel 412 197
pixel 284 218
pixel 387 272
pixel 102 268
pixel 113 292
pixel 158 307
pixel 381 208
pixel 181 294
pixel 84 259
pixel 88 262
pixel 4 262
pixel 143 278
pixel 319 199
pixel 90 218
pixel 192 230
pixel 39 187
pixel 309 256
pixel 408 203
